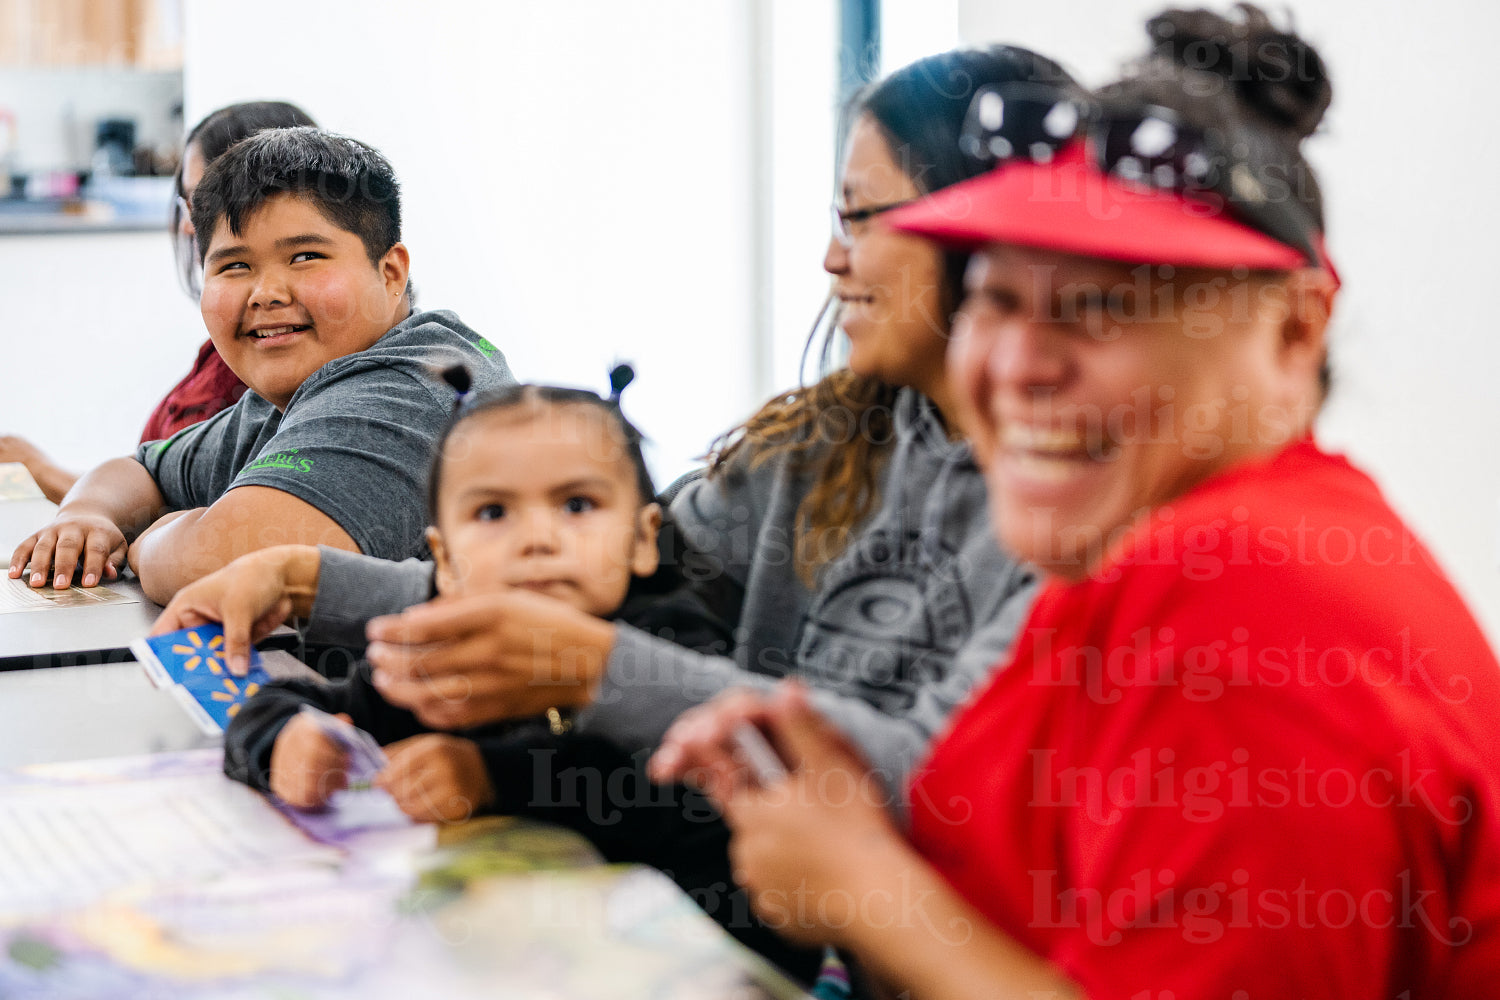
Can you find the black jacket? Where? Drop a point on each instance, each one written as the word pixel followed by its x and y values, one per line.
pixel 678 615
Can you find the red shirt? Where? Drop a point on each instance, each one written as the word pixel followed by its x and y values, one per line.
pixel 210 387
pixel 1253 758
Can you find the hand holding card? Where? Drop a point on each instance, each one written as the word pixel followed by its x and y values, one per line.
pixel 758 755
pixel 190 665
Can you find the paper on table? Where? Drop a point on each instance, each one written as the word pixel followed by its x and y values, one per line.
pixel 68 844
pixel 229 907
pixel 15 595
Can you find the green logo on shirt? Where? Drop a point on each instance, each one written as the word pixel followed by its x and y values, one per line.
pixel 280 460
pixel 486 348
pixel 160 446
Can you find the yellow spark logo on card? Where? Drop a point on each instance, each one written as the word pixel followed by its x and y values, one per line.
pixel 232 692
pixel 201 654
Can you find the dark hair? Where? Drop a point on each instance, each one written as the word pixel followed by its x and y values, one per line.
pixel 538 396
pixel 351 183
pixel 920 111
pixel 213 136
pixel 1263 89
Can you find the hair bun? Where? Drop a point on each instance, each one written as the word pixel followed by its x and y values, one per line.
pixel 620 376
pixel 1274 72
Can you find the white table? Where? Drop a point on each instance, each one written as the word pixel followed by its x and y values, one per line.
pixel 101 710
pixel 68 636
pixel 81 713
pixel 46 637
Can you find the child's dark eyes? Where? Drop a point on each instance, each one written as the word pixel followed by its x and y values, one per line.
pixel 579 505
pixel 307 255
pixel 490 512
pixel 232 265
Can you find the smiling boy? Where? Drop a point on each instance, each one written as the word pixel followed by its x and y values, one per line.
pixel 306 297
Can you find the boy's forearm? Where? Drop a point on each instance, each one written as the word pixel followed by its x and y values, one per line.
pixel 120 490
pixel 189 546
pixel 167 557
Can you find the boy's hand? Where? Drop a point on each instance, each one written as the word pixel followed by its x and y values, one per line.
pixel 306 766
pixel 55 550
pixel 436 778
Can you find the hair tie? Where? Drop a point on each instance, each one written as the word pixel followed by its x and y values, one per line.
pixel 458 377
pixel 620 376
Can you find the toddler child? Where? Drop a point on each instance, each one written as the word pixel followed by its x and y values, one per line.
pixel 533 487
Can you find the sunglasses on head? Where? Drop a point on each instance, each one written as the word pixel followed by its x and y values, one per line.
pixel 1142 144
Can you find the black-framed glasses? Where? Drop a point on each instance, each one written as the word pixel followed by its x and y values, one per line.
pixel 1141 144
pixel 845 219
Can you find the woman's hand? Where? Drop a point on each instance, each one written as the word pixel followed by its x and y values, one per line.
pixel 251 596
pixel 702 747
pixel 810 848
pixel 436 778
pixel 54 552
pixel 464 661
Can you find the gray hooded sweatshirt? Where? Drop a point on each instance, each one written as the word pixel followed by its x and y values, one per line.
pixel 916 609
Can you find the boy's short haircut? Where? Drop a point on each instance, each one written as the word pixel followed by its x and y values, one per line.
pixel 351 183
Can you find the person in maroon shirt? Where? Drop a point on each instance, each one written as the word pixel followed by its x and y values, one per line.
pixel 1245 748
pixel 209 386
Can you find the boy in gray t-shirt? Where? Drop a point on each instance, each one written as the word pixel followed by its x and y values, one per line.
pixel 306 297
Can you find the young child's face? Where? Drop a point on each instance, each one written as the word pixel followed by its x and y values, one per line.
pixel 293 292
pixel 543 498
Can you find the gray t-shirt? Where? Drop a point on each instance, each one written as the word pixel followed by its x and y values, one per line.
pixel 918 608
pixel 355 441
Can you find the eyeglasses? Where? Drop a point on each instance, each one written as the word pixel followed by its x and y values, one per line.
pixel 185 248
pixel 1142 144
pixel 844 219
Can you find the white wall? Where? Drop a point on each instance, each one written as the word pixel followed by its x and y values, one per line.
pixel 799 75
pixel 576 175
pixel 93 331
pixel 1405 159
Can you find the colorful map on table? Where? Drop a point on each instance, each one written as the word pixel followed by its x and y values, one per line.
pixel 157 876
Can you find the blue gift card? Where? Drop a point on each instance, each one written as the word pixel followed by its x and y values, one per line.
pixel 191 665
